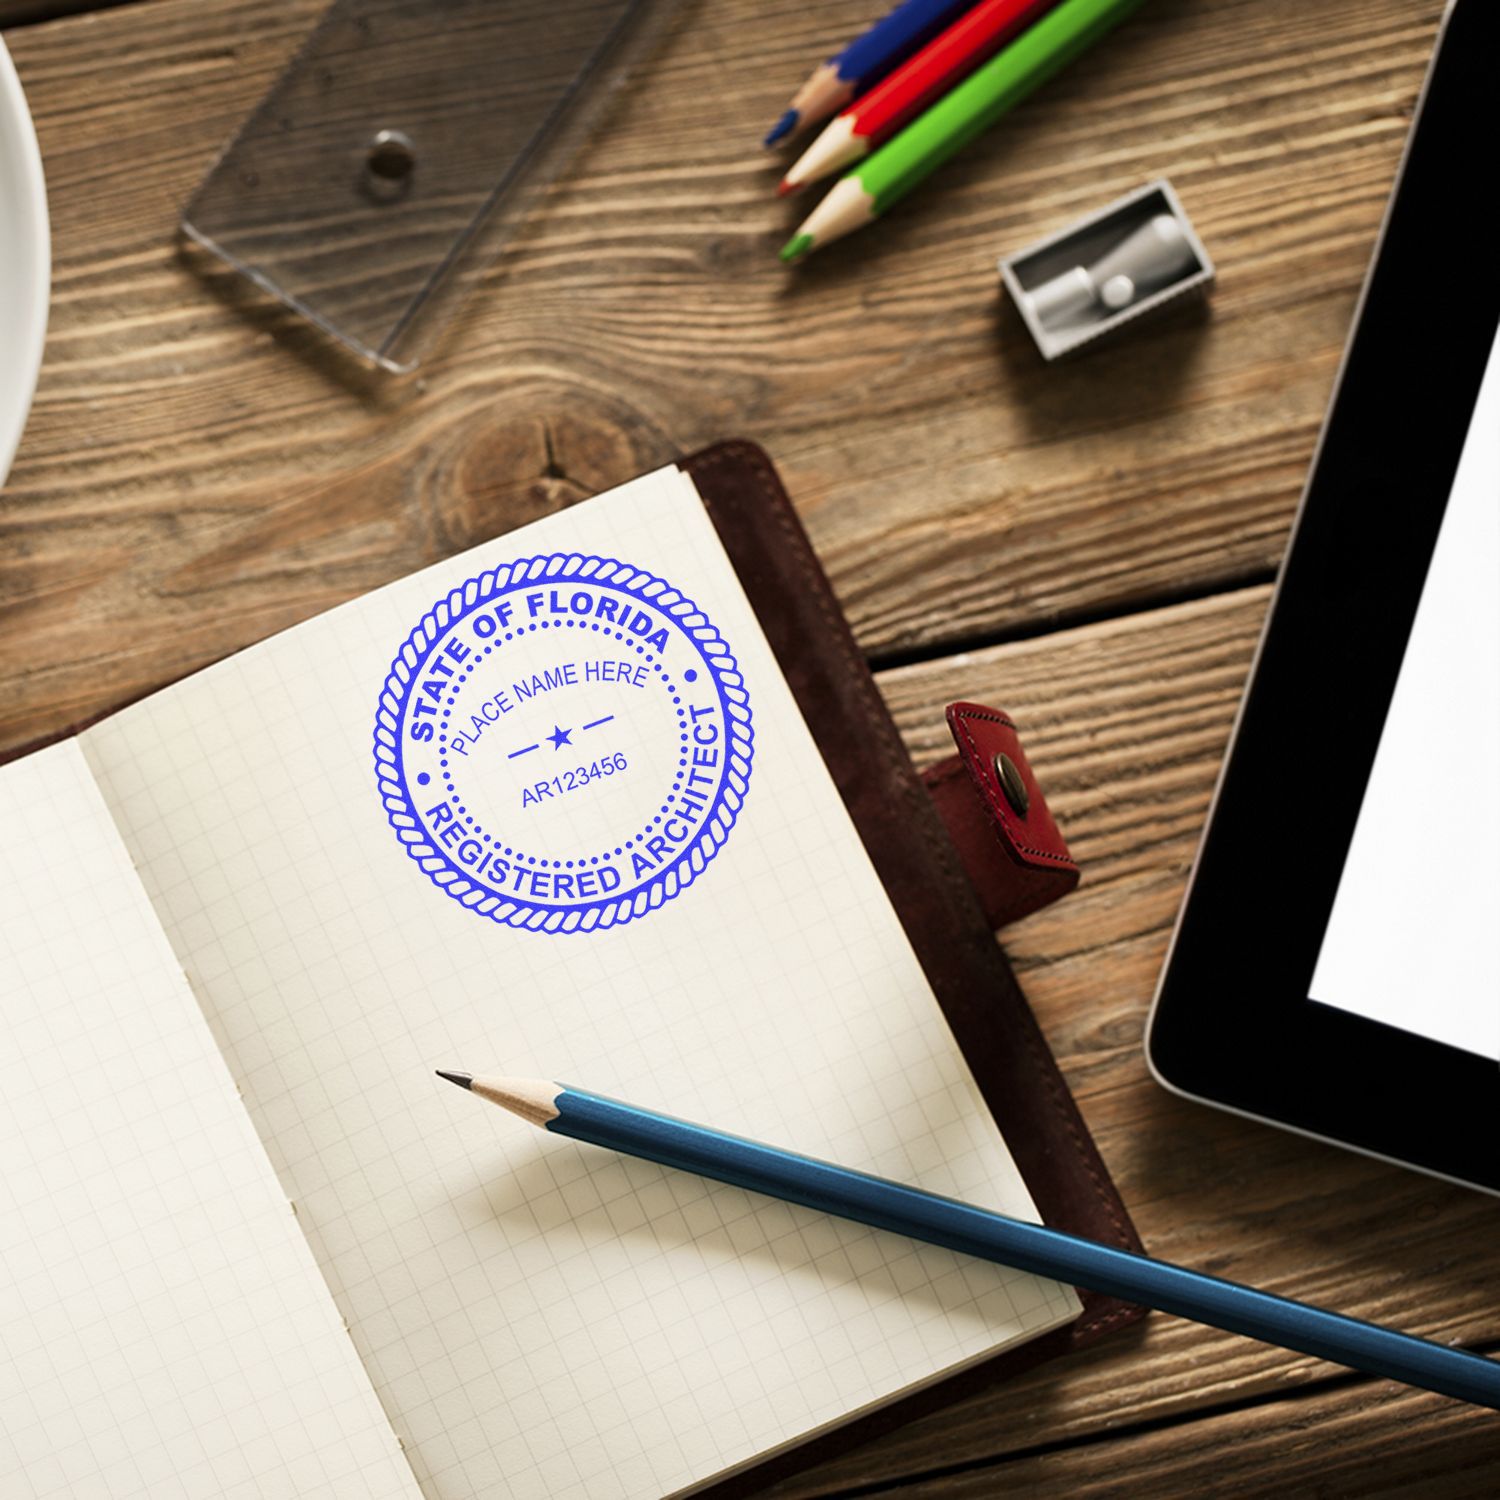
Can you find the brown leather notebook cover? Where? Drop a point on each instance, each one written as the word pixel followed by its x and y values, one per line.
pixel 938 907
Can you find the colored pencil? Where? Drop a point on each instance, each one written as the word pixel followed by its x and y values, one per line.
pixel 969 1230
pixel 898 99
pixel 887 176
pixel 866 60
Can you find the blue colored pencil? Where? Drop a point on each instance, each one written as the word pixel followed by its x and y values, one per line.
pixel 990 1236
pixel 865 61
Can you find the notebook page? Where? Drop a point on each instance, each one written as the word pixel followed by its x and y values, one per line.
pixel 164 1331
pixel 538 1317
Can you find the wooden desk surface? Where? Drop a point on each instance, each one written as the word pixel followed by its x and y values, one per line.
pixel 1090 546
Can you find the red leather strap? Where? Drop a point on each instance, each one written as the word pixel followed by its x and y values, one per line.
pixel 1016 858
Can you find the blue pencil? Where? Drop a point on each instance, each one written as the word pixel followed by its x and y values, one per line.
pixel 990 1236
pixel 866 60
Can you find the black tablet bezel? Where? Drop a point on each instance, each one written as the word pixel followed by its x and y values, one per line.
pixel 1233 1024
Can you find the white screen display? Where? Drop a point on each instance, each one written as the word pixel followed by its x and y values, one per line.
pixel 1413 940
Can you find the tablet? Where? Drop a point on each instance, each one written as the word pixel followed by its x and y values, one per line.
pixel 1336 964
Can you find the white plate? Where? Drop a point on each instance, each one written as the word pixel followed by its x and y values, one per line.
pixel 25 261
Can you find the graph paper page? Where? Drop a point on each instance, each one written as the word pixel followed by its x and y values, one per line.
pixel 164 1331
pixel 692 925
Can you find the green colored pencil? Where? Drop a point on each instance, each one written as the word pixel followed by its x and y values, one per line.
pixel 896 168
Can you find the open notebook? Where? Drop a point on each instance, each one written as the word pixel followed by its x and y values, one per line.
pixel 547 808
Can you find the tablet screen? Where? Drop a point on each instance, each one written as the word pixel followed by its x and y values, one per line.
pixel 1336 965
pixel 1413 940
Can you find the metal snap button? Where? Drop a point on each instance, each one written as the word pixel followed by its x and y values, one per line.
pixel 1012 784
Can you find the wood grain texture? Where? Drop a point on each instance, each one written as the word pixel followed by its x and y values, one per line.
pixel 28 12
pixel 194 478
pixel 1125 724
pixel 1385 1444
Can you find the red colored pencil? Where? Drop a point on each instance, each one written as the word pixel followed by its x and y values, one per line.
pixel 904 94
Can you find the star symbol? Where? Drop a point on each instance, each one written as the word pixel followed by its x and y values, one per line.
pixel 559 737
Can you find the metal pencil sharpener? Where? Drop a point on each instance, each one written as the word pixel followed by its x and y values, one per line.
pixel 1092 278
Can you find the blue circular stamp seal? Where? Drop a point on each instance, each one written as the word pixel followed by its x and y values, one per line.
pixel 563 743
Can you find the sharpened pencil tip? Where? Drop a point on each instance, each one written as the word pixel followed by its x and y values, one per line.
pixel 786 187
pixel 796 248
pixel 463 1080
pixel 782 128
